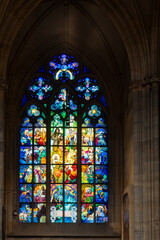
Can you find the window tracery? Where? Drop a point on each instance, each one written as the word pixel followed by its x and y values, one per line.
pixel 63 147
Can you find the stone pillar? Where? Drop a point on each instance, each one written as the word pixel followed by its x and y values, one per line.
pixel 2 89
pixel 146 158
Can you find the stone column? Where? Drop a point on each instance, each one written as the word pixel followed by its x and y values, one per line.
pixel 2 89
pixel 146 158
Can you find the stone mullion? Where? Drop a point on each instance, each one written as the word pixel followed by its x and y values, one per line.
pixel 155 163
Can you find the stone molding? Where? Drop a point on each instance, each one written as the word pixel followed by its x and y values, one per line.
pixel 137 85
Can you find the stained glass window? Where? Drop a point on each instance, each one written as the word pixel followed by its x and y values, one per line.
pixel 63 163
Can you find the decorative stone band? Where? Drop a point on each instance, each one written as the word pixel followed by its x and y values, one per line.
pixel 137 85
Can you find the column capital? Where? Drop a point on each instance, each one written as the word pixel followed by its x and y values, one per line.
pixel 147 82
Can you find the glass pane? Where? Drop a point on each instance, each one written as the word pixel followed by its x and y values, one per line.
pixel 87 174
pixel 25 155
pixel 25 213
pixel 70 155
pixel 100 137
pixel 56 213
pixel 39 213
pixel 26 136
pixel 56 193
pixel 87 195
pixel 40 155
pixel 101 123
pixel 101 213
pixel 101 174
pixel 87 123
pixel 40 174
pixel 56 173
pixel 101 155
pixel 70 213
pixel 87 136
pixel 56 136
pixel 39 193
pixel 25 174
pixel 70 136
pixel 26 123
pixel 57 122
pixel 40 123
pixel 70 173
pixel 70 193
pixel 40 136
pixel 25 194
pixel 87 156
pixel 56 155
pixel 101 193
pixel 71 121
pixel 87 213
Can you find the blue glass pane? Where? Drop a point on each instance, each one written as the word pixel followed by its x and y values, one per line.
pixel 56 213
pixel 101 193
pixel 87 88
pixel 25 213
pixel 63 67
pixel 40 88
pixel 101 174
pixel 33 111
pixel 100 137
pixel 25 174
pixel 40 123
pixel 101 155
pixel 25 193
pixel 101 123
pixel 26 123
pixel 87 123
pixel 25 155
pixel 102 100
pixel 70 193
pixel 26 136
pixel 101 213
pixel 87 213
pixel 56 193
pixel 24 100
pixel 70 213
pixel 94 111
